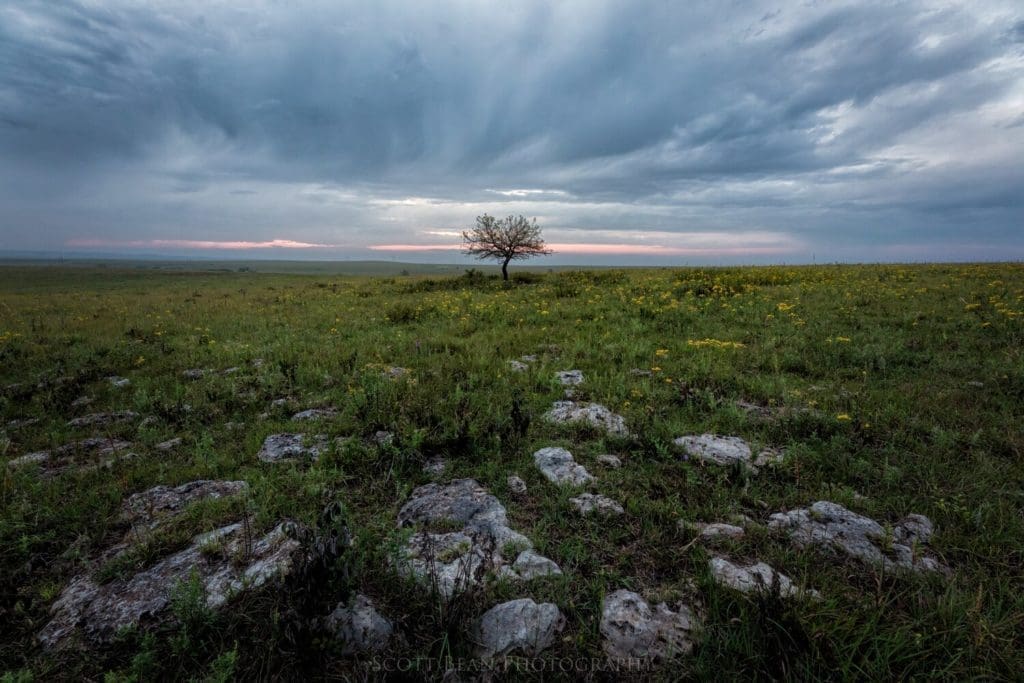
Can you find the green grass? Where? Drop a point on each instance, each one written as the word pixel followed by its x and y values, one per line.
pixel 884 357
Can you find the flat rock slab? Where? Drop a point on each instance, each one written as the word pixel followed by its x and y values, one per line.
pixel 558 465
pixel 632 629
pixel 569 378
pixel 282 447
pixel 97 419
pixel 102 450
pixel 756 577
pixel 169 445
pixel 518 366
pixel 589 503
pixel 315 414
pixel 832 526
pixel 725 450
pixel 219 559
pixel 359 626
pixel 518 625
pixel 150 507
pixel 593 414
pixel 609 460
pixel 455 560
pixel 119 382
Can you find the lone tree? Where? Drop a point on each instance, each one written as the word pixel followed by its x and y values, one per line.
pixel 511 238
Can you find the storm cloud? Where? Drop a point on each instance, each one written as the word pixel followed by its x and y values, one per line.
pixel 634 132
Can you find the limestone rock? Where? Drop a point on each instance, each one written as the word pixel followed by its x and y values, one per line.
pixel 281 447
pixel 588 503
pixel 594 414
pixel 119 382
pixel 194 373
pixel 315 414
pixel 633 630
pixel 148 508
pixel 220 559
pixel 558 466
pixel 609 460
pixel 96 419
pixel 82 401
pixel 395 372
pixel 530 565
pixel 832 526
pixel 359 626
pixel 725 450
pixel 516 485
pixel 102 451
pixel 435 466
pixel 718 530
pixel 518 366
pixel 518 625
pixel 754 578
pixel 454 560
pixel 168 445
pixel 570 378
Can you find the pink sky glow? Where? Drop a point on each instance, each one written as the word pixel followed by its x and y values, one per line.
pixel 201 244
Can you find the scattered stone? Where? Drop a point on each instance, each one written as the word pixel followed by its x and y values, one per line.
pixel 285 402
pixel 359 626
pixel 632 630
pixel 714 530
pixel 151 421
pixel 382 438
pixel 529 565
pixel 194 373
pixel 757 577
pixel 594 414
pixel 168 445
pixel 831 525
pixel 82 401
pixel 315 414
pixel 516 485
pixel 755 410
pixel 587 503
pixel 726 450
pixel 279 447
pixel 59 458
pixel 225 562
pixel 609 460
pixel 570 378
pixel 518 625
pixel 257 363
pixel 395 372
pixel 638 372
pixel 119 382
pixel 976 384
pixel 435 466
pixel 558 466
pixel 232 370
pixel 234 426
pixel 518 366
pixel 529 358
pixel 453 561
pixel 95 419
pixel 24 422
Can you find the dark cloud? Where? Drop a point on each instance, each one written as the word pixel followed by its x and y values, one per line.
pixel 328 122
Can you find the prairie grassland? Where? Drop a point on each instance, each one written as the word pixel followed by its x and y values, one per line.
pixel 893 389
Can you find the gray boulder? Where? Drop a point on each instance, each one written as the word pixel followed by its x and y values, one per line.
pixel 518 625
pixel 315 414
pixel 633 630
pixel 569 378
pixel 756 577
pixel 359 626
pixel 101 451
pixel 609 460
pixel 593 414
pixel 282 447
pixel 725 450
pixel 516 485
pixel 588 503
pixel 96 419
pixel 832 526
pixel 558 466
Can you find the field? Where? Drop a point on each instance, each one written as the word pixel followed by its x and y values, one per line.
pixel 891 390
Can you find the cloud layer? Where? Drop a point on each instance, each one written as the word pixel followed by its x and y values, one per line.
pixel 634 132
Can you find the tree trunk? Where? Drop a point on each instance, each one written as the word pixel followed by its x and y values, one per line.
pixel 504 269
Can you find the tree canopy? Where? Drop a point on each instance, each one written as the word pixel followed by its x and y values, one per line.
pixel 506 239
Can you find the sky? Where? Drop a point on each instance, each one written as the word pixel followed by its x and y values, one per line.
pixel 635 132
